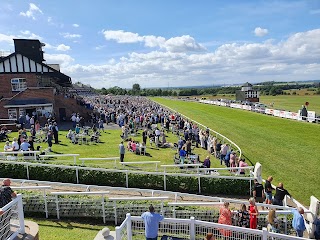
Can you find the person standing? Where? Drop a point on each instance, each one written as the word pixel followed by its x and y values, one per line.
pixel 258 192
pixel 55 130
pixel 151 222
pixel 225 217
pixel 6 195
pixel 268 188
pixel 122 151
pixel 280 194
pixel 298 221
pixel 317 226
pixel 253 212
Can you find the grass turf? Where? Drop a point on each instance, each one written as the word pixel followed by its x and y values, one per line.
pixel 287 149
pixel 51 229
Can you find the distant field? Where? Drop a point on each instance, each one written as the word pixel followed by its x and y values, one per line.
pixel 293 102
pixel 285 102
pixel 287 149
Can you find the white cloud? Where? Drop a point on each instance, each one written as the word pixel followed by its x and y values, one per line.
pixel 6 38
pixel 260 32
pixel 75 25
pixel 184 43
pixel 294 58
pixel 29 35
pixel 49 19
pixel 70 36
pixel 60 47
pixel 33 10
pixel 63 47
pixel 63 59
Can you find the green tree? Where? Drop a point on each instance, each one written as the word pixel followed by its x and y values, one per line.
pixel 136 89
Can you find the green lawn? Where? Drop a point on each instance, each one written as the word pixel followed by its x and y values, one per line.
pixel 287 149
pixel 108 147
pixel 293 102
pixel 51 229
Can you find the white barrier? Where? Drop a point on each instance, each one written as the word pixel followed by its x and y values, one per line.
pixel 99 159
pixel 103 193
pixel 126 172
pixel 12 219
pixel 142 162
pixel 60 155
pixel 190 228
pixel 274 112
pixel 19 154
pixel 132 199
pixel 215 132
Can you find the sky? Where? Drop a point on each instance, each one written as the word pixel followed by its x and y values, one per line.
pixel 107 43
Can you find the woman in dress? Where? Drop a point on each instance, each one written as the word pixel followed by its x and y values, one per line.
pixel 225 218
pixel 253 211
pixel 243 216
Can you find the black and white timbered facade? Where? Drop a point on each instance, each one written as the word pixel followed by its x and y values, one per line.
pixel 28 84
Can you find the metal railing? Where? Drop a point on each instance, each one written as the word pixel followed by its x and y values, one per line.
pixel 12 219
pixel 195 230
pixel 218 135
pixel 128 172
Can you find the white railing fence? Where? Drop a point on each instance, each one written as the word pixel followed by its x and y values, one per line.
pixel 127 173
pixel 218 135
pixel 12 219
pixel 194 230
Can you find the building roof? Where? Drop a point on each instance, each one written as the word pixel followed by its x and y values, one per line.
pixel 28 102
pixel 247 85
pixel 45 70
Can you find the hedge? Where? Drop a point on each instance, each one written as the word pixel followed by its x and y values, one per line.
pixel 209 186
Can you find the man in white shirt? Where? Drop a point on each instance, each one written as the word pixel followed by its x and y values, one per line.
pixel 15 145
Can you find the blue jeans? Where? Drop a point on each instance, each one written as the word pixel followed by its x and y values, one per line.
pixel 299 233
pixel 152 238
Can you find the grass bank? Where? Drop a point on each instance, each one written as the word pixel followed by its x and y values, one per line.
pixel 287 149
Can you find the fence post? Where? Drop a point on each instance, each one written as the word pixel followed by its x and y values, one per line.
pixel 45 203
pixel 27 165
pixel 115 212
pixel 127 179
pixel 57 207
pixel 20 214
pixel 129 230
pixel 161 208
pixel 192 229
pixel 264 234
pixel 77 175
pixel 103 210
pixel 199 183
pixel 164 180
pixel 118 233
pixel 285 217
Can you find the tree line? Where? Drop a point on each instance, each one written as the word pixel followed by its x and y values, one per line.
pixel 266 88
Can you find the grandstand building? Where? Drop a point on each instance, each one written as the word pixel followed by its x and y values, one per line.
pixel 31 86
pixel 247 93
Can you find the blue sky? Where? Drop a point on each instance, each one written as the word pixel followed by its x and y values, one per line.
pixel 177 43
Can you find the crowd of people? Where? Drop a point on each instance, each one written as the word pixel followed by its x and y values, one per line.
pixel 133 114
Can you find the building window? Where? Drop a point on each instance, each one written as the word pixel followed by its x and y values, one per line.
pixel 18 84
pixel 12 113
